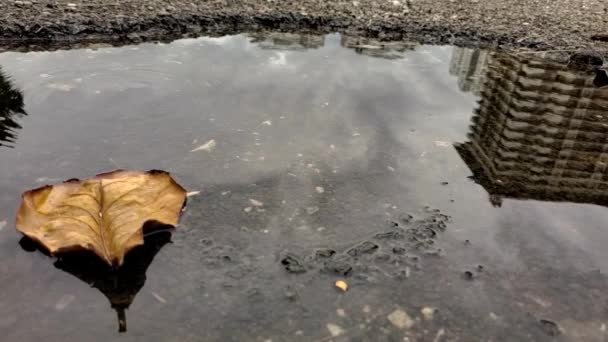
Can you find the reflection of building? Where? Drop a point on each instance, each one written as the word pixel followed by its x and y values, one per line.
pixel 373 48
pixel 287 41
pixel 540 132
pixel 11 107
pixel 470 67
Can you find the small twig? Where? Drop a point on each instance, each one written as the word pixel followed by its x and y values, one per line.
pixel 113 162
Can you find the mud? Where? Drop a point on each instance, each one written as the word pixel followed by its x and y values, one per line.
pixel 398 250
pixel 539 25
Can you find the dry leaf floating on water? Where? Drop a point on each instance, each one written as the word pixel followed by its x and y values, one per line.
pixel 104 214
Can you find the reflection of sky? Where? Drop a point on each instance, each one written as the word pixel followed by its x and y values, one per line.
pixel 148 106
pixel 229 81
pixel 382 129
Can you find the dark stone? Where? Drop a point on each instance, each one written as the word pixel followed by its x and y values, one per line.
pixel 206 242
pixel 366 247
pixel 468 275
pixel 601 78
pixel 226 258
pixel 394 234
pixel 586 58
pixel 602 37
pixel 324 253
pixel 383 257
pixel 339 267
pixel 549 327
pixel 406 218
pixel 444 183
pixel 399 250
pixel 293 264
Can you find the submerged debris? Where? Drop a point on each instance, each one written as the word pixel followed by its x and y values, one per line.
pixel 334 329
pixel 366 247
pixel 337 266
pixel 293 264
pixel 64 301
pixel 428 312
pixel 393 250
pixel 393 234
pixel 312 210
pixel 208 146
pixel 400 319
pixel 256 203
pixel 398 250
pixel 324 253
pixel 158 297
pixel 549 327
pixel 291 293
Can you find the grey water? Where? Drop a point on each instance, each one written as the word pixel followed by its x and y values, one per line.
pixel 460 193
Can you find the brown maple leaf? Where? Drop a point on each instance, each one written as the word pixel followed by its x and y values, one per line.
pixel 104 214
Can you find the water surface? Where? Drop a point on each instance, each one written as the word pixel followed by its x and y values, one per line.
pixel 320 143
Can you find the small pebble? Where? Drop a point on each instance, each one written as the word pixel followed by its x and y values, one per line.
pixel 334 329
pixel 63 302
pixel 341 312
pixel 342 285
pixel 468 275
pixel 400 319
pixel 256 203
pixel 428 313
pixel 291 293
pixel 159 297
pixel 312 210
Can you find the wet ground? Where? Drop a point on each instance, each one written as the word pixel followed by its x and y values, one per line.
pixel 535 24
pixel 457 192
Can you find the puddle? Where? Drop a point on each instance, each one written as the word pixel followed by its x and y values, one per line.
pixel 459 193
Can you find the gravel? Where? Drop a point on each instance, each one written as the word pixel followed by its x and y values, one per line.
pixel 533 24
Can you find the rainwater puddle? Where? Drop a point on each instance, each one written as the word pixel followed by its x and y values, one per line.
pixel 459 193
